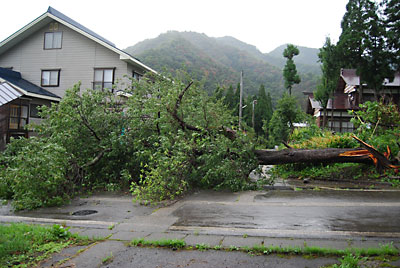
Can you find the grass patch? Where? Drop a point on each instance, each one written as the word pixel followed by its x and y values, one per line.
pixel 108 259
pixel 23 245
pixel 168 243
pixel 348 257
pixel 349 261
pixel 202 247
pixel 383 250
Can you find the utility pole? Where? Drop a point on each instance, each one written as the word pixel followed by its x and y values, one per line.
pixel 252 115
pixel 241 98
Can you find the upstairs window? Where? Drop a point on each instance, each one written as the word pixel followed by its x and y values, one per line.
pixel 52 40
pixel 136 76
pixel 50 78
pixel 103 78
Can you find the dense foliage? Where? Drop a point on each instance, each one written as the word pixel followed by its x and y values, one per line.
pixel 378 123
pixel 167 138
pixel 33 173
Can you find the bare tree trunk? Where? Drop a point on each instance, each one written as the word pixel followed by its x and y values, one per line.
pixel 332 111
pixel 329 155
pixel 325 118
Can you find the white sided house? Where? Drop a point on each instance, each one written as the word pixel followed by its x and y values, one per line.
pixel 47 57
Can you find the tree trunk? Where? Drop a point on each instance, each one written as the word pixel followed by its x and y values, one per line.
pixel 325 117
pixel 332 111
pixel 329 155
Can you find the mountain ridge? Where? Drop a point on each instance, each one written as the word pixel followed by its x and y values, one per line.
pixel 218 61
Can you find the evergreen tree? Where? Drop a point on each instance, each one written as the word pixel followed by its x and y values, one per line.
pixel 330 68
pixel 289 71
pixel 352 36
pixel 218 93
pixel 229 99
pixel 247 111
pixel 286 114
pixel 262 110
pixel 376 56
pixel 392 23
pixel 363 44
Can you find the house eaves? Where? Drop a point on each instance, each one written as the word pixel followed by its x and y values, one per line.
pixel 350 77
pixel 53 14
pixel 8 93
pixel 25 87
pixel 30 94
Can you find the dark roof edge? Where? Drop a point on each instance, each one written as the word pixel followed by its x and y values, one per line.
pixel 15 79
pixel 67 19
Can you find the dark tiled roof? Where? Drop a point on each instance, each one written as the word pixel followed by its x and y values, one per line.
pixel 341 102
pixel 16 79
pixel 67 19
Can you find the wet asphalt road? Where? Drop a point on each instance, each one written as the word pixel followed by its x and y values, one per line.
pixel 283 218
pixel 303 213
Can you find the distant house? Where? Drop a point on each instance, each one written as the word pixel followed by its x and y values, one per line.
pixel 348 97
pixel 43 59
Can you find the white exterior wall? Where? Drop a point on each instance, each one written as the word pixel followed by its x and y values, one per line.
pixel 77 59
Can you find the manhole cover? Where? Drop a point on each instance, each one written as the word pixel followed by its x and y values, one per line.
pixel 84 212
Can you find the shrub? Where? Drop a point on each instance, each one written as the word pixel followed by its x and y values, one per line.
pixel 34 171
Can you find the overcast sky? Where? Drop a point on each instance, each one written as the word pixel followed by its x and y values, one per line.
pixel 263 23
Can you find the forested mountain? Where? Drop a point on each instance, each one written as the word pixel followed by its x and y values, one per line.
pixel 218 62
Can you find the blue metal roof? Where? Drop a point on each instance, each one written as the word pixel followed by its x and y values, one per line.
pixel 67 19
pixel 16 79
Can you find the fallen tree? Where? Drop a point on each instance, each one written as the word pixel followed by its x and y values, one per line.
pixel 328 155
pixel 366 155
pixel 369 155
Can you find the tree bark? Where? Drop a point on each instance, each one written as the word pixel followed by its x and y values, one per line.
pixel 329 155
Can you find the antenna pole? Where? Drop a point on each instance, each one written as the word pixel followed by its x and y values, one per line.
pixel 241 98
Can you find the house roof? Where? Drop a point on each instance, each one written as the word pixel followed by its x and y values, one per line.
pixel 314 103
pixel 351 78
pixel 341 102
pixel 65 18
pixel 24 87
pixel 8 93
pixel 53 14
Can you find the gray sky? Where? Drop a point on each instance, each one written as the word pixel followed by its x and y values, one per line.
pixel 263 23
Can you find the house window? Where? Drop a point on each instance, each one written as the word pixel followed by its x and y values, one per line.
pixel 103 78
pixel 34 110
pixel 50 78
pixel 136 76
pixel 52 40
pixel 18 116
